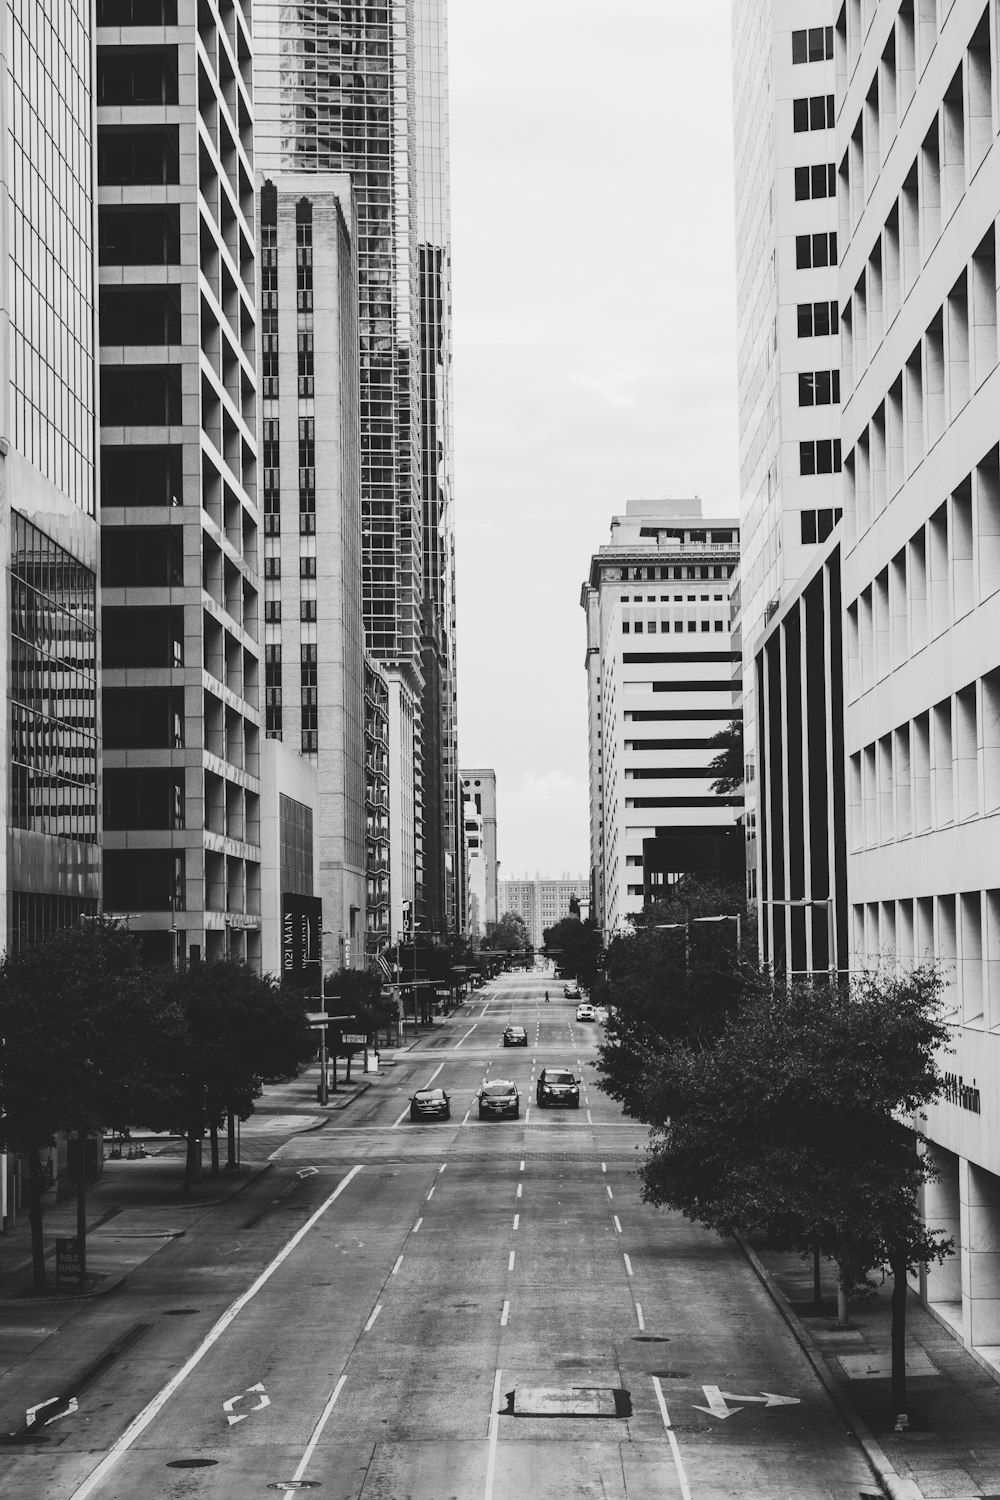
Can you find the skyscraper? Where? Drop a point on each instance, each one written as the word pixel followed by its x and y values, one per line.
pixel 360 89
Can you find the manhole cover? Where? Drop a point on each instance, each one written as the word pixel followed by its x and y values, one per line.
pixel 672 1374
pixel 192 1463
pixel 295 1484
pixel 17 1438
pixel 180 1312
pixel 650 1338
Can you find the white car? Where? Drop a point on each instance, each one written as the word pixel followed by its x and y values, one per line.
pixel 586 1012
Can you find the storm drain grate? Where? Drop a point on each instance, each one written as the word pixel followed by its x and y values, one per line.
pixel 192 1463
pixel 567 1401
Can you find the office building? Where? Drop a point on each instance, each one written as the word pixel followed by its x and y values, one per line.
pixel 919 195
pixel 360 90
pixel 540 903
pixel 655 704
pixel 784 82
pixel 479 798
pixel 310 449
pixel 181 620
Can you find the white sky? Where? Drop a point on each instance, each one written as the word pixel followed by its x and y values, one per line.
pixel 594 352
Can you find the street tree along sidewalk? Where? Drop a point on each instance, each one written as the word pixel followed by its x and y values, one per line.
pixel 84 1025
pixel 795 1120
pixel 576 948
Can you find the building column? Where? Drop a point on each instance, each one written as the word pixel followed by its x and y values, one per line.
pixel 980 1255
pixel 942 1284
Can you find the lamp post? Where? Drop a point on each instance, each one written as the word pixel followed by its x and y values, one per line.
pixel 832 967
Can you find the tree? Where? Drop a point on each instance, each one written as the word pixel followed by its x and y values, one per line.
pixel 796 1120
pixel 574 907
pixel 510 933
pixel 238 1028
pixel 728 764
pixel 576 947
pixel 83 1026
pixel 359 995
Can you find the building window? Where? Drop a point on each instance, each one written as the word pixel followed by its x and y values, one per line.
pixel 814 45
pixel 820 457
pixel 817 524
pixel 817 319
pixel 307 609
pixel 814 113
pixel 272 567
pixel 819 388
pixel 307 567
pixel 815 250
pixel 272 611
pixel 818 181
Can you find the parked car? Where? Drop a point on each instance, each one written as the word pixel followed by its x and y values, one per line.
pixel 430 1104
pixel 557 1086
pixel 571 990
pixel 515 1036
pixel 497 1097
pixel 585 1011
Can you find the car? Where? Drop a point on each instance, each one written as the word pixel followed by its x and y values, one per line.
pixel 585 1011
pixel 498 1097
pixel 430 1104
pixel 557 1086
pixel 515 1036
pixel 571 990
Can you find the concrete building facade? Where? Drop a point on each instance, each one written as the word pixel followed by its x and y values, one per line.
pixel 654 704
pixel 178 393
pixel 541 903
pixel 479 796
pixel 919 197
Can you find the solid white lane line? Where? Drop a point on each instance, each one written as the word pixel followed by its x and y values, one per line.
pixel 467 1034
pixel 430 1195
pixel 517 1220
pixel 505 1315
pixel 402 1117
pixel 491 1457
pixel 608 1191
pixel 678 1464
pixel 139 1423
pixel 433 1075
pixel 399 1262
pixel 371 1320
pixel 618 1226
pixel 638 1313
pixel 317 1431
pixel 628 1265
pixel 510 1261
pixel 520 1184
pixel 417 1226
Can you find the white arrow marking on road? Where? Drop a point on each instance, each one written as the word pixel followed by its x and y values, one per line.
pixel 766 1398
pixel 227 1406
pixel 72 1405
pixel 307 1172
pixel 716 1404
pixel 32 1411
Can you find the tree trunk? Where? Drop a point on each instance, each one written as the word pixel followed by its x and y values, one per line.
pixel 817 1291
pixel 81 1202
pixel 191 1173
pixel 897 1265
pixel 347 1075
pixel 35 1212
pixel 213 1135
pixel 232 1165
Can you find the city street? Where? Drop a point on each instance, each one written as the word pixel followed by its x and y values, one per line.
pixel 463 1308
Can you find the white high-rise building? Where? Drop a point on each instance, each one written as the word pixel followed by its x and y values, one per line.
pixel 919 177
pixel 789 354
pixel 660 686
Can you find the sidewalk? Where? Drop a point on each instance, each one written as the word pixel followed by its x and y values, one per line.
pixel 952 1451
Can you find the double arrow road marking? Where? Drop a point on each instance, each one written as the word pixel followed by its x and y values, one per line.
pixel 717 1400
pixel 227 1406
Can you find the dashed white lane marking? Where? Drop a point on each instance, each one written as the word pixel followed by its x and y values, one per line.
pixel 465 1121
pixel 517 1220
pixel 371 1321
pixel 671 1436
pixel 430 1195
pixel 510 1261
pixel 618 1227
pixel 604 1166
pixel 417 1225
pixel 608 1191
pixel 521 1167
pixel 317 1431
pixel 520 1185
pixel 638 1313
pixel 442 1167
pixel 505 1315
pixel 402 1117
pixel 491 1457
pixel 527 1114
pixel 628 1265
pixel 433 1075
pixel 467 1035
pixel 139 1423
pixel 399 1262
pixel 589 1120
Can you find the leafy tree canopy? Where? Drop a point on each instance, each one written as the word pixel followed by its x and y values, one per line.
pixel 510 933
pixel 576 947
pixel 728 764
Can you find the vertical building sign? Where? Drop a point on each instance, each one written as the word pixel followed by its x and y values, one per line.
pixel 301 920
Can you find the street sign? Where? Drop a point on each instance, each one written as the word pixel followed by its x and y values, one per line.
pixel 353 1039
pixel 67 1260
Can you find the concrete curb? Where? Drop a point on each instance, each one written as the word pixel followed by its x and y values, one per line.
pixel 895 1487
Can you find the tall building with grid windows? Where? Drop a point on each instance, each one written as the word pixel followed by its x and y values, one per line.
pixel 784 82
pixel 48 473
pixel 360 90
pixel 181 616
pixel 541 903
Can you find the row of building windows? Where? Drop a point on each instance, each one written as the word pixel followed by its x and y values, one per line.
pixel 307 567
pixel 817 319
pixel 962 928
pixel 820 456
pixel 815 251
pixel 817 181
pixel 677 575
pixel 819 388
pixel 814 113
pixel 816 525
pixel 813 45
pixel 636 627
pixel 672 598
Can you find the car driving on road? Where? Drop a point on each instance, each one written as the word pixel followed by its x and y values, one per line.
pixel 585 1011
pixel 571 990
pixel 430 1104
pixel 498 1097
pixel 557 1086
pixel 515 1036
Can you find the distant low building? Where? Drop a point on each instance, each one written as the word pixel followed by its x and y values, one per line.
pixel 541 903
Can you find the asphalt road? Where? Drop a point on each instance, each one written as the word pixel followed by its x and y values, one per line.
pixel 455 1310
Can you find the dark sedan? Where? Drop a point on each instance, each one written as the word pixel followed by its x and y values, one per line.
pixel 499 1097
pixel 515 1036
pixel 430 1104
pixel 557 1086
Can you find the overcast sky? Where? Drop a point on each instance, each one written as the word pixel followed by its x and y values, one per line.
pixel 594 352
